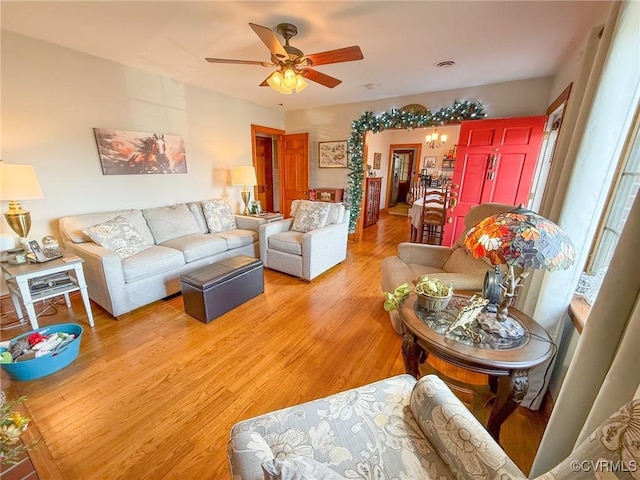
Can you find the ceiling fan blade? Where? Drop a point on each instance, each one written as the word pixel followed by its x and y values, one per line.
pixel 264 82
pixel 239 62
pixel 270 40
pixel 347 54
pixel 321 78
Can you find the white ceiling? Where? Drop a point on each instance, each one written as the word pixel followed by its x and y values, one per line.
pixel 490 41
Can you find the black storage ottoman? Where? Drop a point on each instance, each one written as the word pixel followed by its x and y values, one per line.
pixel 217 288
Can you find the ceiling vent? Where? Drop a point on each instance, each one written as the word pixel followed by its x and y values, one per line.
pixel 445 64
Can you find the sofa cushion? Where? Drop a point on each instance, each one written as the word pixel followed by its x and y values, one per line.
pixel 289 242
pixel 170 222
pixel 310 216
pixel 238 238
pixel 219 216
pixel 196 210
pixel 152 261
pixel 197 245
pixel 118 235
pixel 73 226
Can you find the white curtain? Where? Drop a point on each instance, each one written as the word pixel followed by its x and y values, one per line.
pixel 605 371
pixel 589 151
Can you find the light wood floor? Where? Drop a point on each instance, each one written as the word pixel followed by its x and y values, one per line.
pixel 154 394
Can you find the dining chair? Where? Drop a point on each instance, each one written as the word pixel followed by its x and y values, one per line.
pixel 434 217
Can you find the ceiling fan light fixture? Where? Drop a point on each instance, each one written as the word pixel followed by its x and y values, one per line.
pixel 290 79
pixel 301 84
pixel 275 80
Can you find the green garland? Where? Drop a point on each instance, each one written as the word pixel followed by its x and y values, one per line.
pixel 396 118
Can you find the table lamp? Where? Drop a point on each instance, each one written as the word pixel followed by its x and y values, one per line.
pixel 518 238
pixel 245 176
pixel 18 182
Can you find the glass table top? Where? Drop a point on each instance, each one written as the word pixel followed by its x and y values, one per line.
pixel 474 335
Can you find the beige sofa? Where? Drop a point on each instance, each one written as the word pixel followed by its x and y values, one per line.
pixel 173 240
pixel 415 260
pixel 400 428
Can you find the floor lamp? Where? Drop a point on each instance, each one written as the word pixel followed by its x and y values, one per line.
pixel 18 182
pixel 245 176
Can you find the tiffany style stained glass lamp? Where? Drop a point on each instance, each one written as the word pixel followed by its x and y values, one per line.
pixel 519 238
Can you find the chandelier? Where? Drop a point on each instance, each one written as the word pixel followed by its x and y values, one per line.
pixel 286 80
pixel 434 140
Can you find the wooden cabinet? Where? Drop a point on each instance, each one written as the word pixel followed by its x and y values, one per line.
pixel 372 201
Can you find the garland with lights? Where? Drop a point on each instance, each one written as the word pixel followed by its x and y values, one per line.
pixel 395 118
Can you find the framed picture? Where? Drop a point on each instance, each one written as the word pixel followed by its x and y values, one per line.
pixel 332 154
pixel 129 153
pixel 429 162
pixel 377 160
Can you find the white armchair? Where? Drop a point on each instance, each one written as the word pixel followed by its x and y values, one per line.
pixel 309 243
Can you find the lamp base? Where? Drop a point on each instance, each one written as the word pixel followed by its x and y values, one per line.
pixel 18 219
pixel 246 196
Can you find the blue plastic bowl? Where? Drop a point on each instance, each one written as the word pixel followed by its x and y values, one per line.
pixel 48 364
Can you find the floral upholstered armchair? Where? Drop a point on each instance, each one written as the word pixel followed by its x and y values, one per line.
pixel 404 429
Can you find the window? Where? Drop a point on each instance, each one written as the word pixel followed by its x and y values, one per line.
pixel 623 193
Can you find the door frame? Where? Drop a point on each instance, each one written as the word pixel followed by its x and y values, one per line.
pixel 276 135
pixel 417 147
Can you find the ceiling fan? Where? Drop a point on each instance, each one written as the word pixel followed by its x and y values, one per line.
pixel 294 64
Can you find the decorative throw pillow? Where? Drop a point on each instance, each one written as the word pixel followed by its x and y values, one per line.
pixel 298 468
pixel 118 235
pixel 218 215
pixel 310 215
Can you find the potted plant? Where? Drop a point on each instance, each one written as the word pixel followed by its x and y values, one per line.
pixel 433 294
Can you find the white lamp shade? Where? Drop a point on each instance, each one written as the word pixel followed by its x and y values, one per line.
pixel 19 182
pixel 244 175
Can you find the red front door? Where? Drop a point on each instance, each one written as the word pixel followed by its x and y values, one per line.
pixel 495 162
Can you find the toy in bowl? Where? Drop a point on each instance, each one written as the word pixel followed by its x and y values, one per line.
pixel 41 352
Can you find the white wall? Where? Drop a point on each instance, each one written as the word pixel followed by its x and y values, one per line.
pixel 501 100
pixel 53 97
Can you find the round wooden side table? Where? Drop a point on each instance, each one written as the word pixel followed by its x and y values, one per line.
pixel 506 362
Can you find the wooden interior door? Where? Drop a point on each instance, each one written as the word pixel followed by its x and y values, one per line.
pixel 294 170
pixel 495 162
pixel 264 171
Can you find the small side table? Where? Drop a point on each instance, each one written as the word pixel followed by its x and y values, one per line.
pixel 506 362
pixel 17 279
pixel 267 216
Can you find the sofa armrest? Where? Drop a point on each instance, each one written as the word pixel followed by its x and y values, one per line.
pixel 430 255
pixel 460 439
pixel 103 273
pixel 249 223
pixel 323 248
pixel 245 452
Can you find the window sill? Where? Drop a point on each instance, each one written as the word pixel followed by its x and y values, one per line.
pixel 579 311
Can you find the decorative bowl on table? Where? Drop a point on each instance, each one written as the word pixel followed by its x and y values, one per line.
pixel 434 303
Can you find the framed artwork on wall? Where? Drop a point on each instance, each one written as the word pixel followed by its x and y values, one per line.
pixel 130 153
pixel 429 162
pixel 377 160
pixel 332 154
